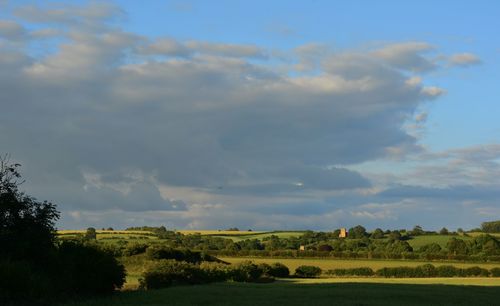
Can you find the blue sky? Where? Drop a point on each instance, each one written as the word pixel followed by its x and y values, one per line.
pixel 261 114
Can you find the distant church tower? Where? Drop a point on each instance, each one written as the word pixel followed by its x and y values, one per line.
pixel 343 233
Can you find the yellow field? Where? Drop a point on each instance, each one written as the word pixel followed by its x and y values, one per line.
pixel 217 232
pixel 111 236
pixel 260 235
pixel 75 232
pixel 474 281
pixel 327 264
pixel 475 234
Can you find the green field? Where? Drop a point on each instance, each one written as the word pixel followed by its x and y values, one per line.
pixel 146 235
pixel 109 235
pixel 261 235
pixel 419 241
pixel 326 264
pixel 286 293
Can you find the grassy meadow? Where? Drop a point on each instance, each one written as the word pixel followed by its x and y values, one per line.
pixel 305 293
pixel 326 263
pixel 419 241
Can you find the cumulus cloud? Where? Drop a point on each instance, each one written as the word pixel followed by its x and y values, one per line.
pixel 119 128
pixel 432 91
pixel 12 30
pixel 464 60
pixel 92 13
pixel 229 50
pixel 407 56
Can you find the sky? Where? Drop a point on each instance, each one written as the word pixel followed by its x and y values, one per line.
pixel 260 115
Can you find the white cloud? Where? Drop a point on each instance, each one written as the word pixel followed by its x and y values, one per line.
pixel 407 56
pixel 432 91
pixel 12 30
pixel 464 60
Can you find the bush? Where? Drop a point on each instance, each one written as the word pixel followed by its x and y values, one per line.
pixel 157 252
pixel 363 271
pixel 247 271
pixel 135 249
pixel 475 271
pixel 448 271
pixel 216 272
pixel 307 271
pixel 165 273
pixel 87 270
pixel 426 270
pixel 279 270
pixel 495 272
pixel 397 272
pixel 19 281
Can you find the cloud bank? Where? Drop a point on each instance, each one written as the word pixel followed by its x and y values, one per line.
pixel 120 129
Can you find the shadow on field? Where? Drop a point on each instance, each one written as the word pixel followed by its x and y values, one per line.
pixel 286 293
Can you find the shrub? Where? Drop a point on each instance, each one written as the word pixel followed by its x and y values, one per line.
pixel 363 271
pixel 165 273
pixel 135 249
pixel 495 272
pixel 447 271
pixel 325 248
pixel 475 271
pixel 396 272
pixel 426 270
pixel 266 268
pixel 279 270
pixel 20 281
pixel 307 271
pixel 86 270
pixel 431 248
pixel 165 252
pixel 216 272
pixel 247 271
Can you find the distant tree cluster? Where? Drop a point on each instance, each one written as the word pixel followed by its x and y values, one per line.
pixel 491 227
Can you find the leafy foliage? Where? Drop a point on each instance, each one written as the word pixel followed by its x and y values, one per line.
pixel 307 271
pixel 84 269
pixel 34 268
pixel 491 227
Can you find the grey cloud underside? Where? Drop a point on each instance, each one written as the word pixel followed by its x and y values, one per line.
pixel 213 117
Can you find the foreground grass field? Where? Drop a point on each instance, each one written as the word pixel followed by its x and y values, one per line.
pixel 326 264
pixel 282 293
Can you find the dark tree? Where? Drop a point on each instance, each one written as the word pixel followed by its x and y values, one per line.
pixel 27 226
pixel 491 227
pixel 395 235
pixel 417 230
pixel 377 234
pixel 457 247
pixel 34 268
pixel 430 248
pixel 444 231
pixel 357 232
pixel 91 234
